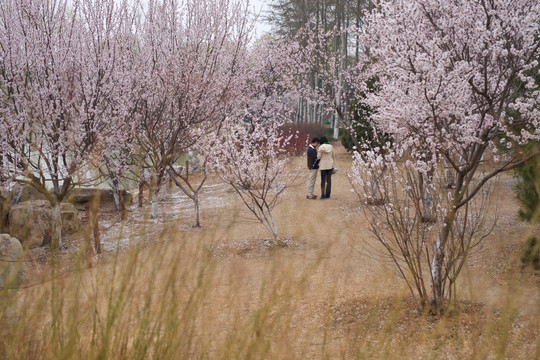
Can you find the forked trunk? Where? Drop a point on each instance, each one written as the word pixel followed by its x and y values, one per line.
pixel 56 226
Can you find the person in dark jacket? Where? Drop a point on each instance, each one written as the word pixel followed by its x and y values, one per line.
pixel 313 165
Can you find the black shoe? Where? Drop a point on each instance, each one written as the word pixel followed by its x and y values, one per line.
pixel 324 197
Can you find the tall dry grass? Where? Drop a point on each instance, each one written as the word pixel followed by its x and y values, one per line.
pixel 183 297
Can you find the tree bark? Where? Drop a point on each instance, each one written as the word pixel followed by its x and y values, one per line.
pixel 450 178
pixel 197 222
pixel 439 248
pixel 437 281
pixel 97 237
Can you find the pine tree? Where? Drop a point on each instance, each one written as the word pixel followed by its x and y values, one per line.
pixel 527 190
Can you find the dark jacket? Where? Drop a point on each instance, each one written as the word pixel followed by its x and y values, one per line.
pixel 312 162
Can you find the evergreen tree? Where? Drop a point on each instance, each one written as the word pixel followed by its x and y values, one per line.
pixel 527 189
pixel 531 254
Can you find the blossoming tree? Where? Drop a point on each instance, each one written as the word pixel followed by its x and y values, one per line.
pixel 249 154
pixel 456 88
pixel 62 83
pixel 190 54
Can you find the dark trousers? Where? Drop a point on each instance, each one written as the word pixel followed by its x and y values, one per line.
pixel 326 182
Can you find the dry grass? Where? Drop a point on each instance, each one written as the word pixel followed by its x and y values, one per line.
pixel 164 290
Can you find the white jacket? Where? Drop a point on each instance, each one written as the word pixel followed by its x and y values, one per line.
pixel 326 156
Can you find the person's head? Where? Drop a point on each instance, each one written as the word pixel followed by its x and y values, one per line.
pixel 315 141
pixel 323 140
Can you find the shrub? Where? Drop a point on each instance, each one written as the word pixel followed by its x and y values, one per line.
pixel 531 253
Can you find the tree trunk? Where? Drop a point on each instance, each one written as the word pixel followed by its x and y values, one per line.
pixel 162 195
pixel 437 281
pixel 439 248
pixel 450 178
pixel 278 241
pixel 436 269
pixel 123 206
pixel 154 209
pixel 427 211
pixel 197 222
pixel 299 111
pixel 116 196
pixel 88 235
pixel 97 237
pixel 141 194
pixel 270 224
pixel 336 116
pixel 56 226
pixel 427 200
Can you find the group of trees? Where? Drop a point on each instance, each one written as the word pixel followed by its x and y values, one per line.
pixel 324 29
pixel 104 90
pixel 65 85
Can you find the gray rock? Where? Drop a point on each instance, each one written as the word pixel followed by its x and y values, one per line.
pixel 101 197
pixel 30 222
pixel 11 262
pixel 22 192
pixel 4 209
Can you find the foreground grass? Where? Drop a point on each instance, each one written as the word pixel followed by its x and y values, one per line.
pixel 186 295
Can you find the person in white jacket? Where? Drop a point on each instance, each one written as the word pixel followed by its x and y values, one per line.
pixel 325 154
